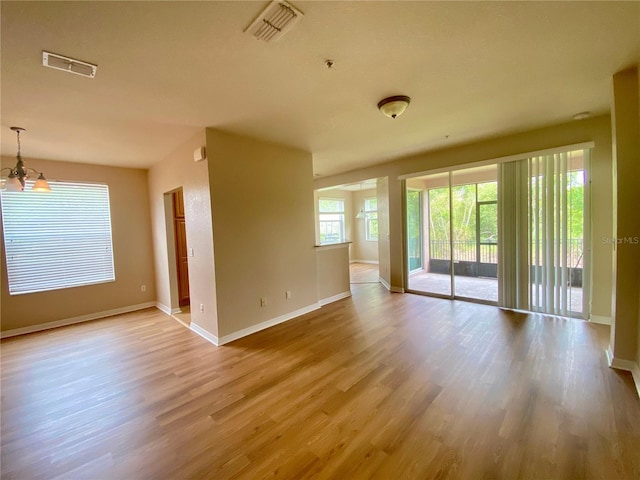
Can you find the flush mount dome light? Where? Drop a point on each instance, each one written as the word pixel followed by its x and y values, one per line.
pixel 393 107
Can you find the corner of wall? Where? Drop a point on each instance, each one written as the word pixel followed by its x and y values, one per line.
pixel 263 230
pixel 178 170
pixel 625 338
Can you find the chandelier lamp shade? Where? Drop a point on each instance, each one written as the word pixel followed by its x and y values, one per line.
pixel 18 175
pixel 394 106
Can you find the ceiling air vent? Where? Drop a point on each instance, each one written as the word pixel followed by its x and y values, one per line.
pixel 66 64
pixel 274 21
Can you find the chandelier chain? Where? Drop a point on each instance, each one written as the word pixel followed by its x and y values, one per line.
pixel 18 131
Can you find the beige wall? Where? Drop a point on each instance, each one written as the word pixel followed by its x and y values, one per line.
pixel 177 170
pixel 626 148
pixel 384 253
pixel 362 249
pixel 132 251
pixel 349 213
pixel 597 129
pixel 332 262
pixel 263 229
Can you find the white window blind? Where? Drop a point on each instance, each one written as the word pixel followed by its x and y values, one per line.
pixel 58 239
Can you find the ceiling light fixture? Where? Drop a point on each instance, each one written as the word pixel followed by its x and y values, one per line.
pixel 581 115
pixel 393 107
pixel 19 174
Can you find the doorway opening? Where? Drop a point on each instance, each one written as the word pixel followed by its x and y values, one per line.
pixel 364 259
pixel 178 256
pixel 356 213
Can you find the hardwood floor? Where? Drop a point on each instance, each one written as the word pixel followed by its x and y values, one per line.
pixel 184 316
pixel 378 385
pixel 364 273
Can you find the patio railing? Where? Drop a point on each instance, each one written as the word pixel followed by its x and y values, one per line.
pixel 465 251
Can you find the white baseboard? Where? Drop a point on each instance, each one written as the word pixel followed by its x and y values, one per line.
pixel 389 287
pixel 163 308
pixel 73 320
pixel 204 334
pixel 600 319
pixel 269 323
pixel 371 262
pixel 335 298
pixel 609 355
pixel 626 365
pixel 169 311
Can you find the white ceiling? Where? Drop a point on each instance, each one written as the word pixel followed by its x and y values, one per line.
pixel 168 69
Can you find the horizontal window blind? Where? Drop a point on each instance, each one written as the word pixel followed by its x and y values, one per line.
pixel 58 239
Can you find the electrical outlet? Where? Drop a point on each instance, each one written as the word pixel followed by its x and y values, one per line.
pixel 263 301
pixel 287 294
pixel 202 308
pixel 143 288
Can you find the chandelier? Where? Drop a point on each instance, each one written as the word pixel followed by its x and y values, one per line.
pixel 19 174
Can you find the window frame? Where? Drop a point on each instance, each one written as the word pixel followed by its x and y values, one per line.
pixel 370 215
pixel 340 220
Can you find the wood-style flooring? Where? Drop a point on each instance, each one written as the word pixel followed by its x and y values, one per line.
pixel 364 273
pixel 379 385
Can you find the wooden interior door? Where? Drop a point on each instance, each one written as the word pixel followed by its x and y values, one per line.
pixel 182 257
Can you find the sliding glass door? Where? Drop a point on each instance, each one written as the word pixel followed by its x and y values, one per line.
pixel 459 234
pixel 475 239
pixel 513 234
pixel 428 235
pixel 414 229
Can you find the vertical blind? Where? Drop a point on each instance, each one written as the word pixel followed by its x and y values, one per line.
pixel 59 239
pixel 513 248
pixel 554 255
pixel 543 200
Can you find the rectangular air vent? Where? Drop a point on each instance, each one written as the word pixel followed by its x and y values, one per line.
pixel 66 64
pixel 274 21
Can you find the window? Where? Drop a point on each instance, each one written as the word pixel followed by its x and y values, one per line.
pixel 331 216
pixel 371 216
pixel 59 239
